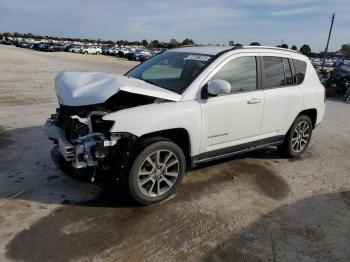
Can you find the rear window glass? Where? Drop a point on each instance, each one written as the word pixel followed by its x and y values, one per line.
pixel 300 70
pixel 273 72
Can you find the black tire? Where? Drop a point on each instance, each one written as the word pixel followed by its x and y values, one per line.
pixel 148 150
pixel 289 148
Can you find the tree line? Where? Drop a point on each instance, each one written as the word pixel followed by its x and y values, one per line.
pixel 304 49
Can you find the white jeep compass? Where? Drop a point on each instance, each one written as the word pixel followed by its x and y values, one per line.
pixel 181 108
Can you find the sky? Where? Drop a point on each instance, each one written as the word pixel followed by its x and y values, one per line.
pixel 205 21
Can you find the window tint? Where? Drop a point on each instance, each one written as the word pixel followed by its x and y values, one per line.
pixel 300 70
pixel 288 72
pixel 273 71
pixel 240 73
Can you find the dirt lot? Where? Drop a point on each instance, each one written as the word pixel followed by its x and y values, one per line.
pixel 257 207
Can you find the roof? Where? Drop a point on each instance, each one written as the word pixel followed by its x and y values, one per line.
pixel 214 50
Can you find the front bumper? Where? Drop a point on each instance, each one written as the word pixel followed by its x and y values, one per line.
pixel 56 133
pixel 86 151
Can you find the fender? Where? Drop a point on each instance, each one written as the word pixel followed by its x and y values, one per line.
pixel 150 118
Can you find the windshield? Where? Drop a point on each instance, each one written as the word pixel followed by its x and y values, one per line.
pixel 171 70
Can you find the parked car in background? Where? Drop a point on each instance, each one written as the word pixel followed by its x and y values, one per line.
pixel 147 54
pixel 134 55
pixel 57 47
pixel 112 51
pixel 328 63
pixel 105 49
pixel 124 51
pixel 91 50
pixel 45 47
pixel 68 47
pixel 7 42
pixel 106 123
pixel 75 49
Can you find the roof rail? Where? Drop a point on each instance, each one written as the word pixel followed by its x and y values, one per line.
pixel 269 47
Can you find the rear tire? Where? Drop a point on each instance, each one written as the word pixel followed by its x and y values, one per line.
pixel 298 137
pixel 156 172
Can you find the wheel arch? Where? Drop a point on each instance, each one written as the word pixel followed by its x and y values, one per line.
pixel 312 113
pixel 179 136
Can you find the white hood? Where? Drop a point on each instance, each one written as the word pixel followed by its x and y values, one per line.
pixel 78 89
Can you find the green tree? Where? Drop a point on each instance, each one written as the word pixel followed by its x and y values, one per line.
pixel 305 49
pixel 7 34
pixel 345 49
pixel 154 43
pixel 255 43
pixel 173 43
pixel 294 47
pixel 144 42
pixel 188 41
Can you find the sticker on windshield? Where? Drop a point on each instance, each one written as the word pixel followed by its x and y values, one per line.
pixel 198 57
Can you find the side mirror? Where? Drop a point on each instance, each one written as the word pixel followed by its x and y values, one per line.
pixel 219 87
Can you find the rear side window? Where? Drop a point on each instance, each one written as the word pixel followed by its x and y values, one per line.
pixel 240 73
pixel 300 70
pixel 273 72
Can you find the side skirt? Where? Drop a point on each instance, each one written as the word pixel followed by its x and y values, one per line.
pixel 236 150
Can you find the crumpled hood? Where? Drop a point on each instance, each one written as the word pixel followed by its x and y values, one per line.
pixel 78 88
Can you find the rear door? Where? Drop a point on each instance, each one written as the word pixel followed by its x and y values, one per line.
pixel 283 98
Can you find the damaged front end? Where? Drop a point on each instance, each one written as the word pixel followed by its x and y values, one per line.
pixel 83 139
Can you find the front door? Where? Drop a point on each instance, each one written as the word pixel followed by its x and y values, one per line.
pixel 232 122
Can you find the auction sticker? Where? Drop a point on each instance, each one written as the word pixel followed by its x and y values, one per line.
pixel 198 57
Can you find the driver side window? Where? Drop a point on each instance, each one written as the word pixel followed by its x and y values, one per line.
pixel 240 73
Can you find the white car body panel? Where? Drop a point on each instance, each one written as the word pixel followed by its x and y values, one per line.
pixel 313 92
pixel 228 120
pixel 78 88
pixel 160 116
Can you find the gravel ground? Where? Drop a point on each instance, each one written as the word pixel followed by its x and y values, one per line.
pixel 256 207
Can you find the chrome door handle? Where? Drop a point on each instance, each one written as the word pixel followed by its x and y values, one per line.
pixel 254 101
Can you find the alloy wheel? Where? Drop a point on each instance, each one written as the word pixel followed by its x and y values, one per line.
pixel 301 136
pixel 158 173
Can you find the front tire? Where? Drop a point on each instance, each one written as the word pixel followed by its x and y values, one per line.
pixel 298 137
pixel 156 172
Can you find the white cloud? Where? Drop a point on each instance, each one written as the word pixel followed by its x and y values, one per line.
pixel 294 11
